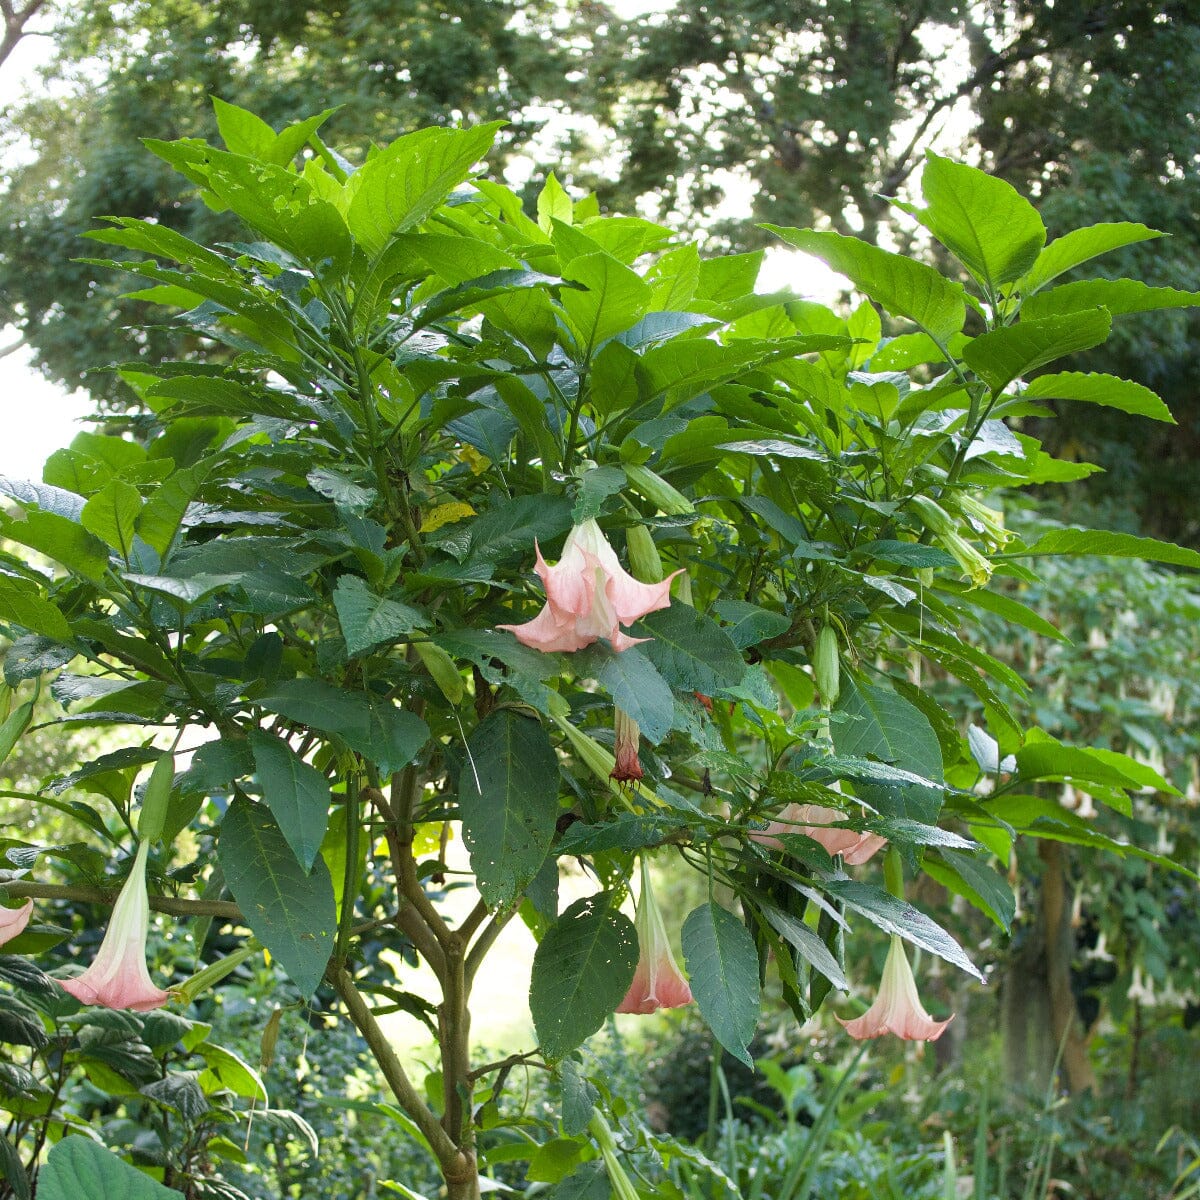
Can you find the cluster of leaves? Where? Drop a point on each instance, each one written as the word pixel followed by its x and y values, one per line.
pixel 409 382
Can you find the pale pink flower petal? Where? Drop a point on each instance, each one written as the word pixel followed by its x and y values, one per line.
pixel 897 1008
pixel 816 821
pixel 118 977
pixel 657 982
pixel 589 596
pixel 14 920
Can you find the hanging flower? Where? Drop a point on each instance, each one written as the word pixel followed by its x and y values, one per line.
pixel 118 977
pixel 657 982
pixel 816 821
pixel 627 768
pixel 14 920
pixel 897 1008
pixel 589 595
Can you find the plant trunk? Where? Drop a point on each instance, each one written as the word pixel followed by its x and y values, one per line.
pixel 1037 1008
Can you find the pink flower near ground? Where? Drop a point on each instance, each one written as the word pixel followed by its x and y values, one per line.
pixel 118 977
pixel 14 920
pixel 816 821
pixel 897 1008
pixel 589 595
pixel 657 982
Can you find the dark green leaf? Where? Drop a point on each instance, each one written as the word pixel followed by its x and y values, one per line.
pixel 722 968
pixel 368 620
pixel 979 884
pixel 296 793
pixel 81 1169
pixel 631 679
pixel 807 944
pixel 691 651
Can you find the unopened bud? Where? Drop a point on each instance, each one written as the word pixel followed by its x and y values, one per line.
pixel 827 668
pixel 156 798
pixel 658 491
pixel 441 666
pixel 643 554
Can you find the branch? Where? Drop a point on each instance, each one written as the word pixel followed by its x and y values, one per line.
pixel 171 905
pixel 13 347
pixel 15 20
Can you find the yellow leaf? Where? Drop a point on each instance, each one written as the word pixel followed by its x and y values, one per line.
pixel 446 514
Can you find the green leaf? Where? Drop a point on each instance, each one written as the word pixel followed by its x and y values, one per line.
pixel 399 187
pixel 581 971
pixel 904 287
pixel 748 623
pixel 1002 605
pixel 242 131
pixel 22 604
pixel 722 968
pixel 881 724
pixel 386 735
pixel 1107 544
pixel 112 513
pixel 635 685
pixel 1002 355
pixel 290 910
pixel 807 944
pixel 594 488
pixel 612 299
pixel 553 204
pixel 1044 757
pixel 58 538
pixel 1095 388
pixel 691 651
pixel 508 801
pixel 983 221
pixel 368 620
pixel 296 793
pixel 897 916
pixel 1079 246
pixel 579 1097
pixel 1116 295
pixel 979 884
pixel 512 526
pixel 78 1168
pixel 160 518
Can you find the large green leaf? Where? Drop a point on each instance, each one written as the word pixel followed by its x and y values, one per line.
pixel 977 882
pixel 904 287
pixel 806 943
pixel 399 187
pixel 690 650
pixel 1095 388
pixel 112 513
pixel 1116 295
pixel 296 793
pixel 160 518
pixel 897 916
pixel 58 538
pixel 290 910
pixel 1045 757
pixel 612 298
pixel 635 685
pixel 368 620
pixel 581 971
pixel 983 221
pixel 386 735
pixel 722 968
pixel 1105 543
pixel 78 1168
pixel 508 801
pixel 22 603
pixel 1003 355
pixel 1079 246
pixel 878 723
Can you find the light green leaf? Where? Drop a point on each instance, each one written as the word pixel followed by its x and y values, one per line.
pixel 722 968
pixel 1079 246
pixel 904 287
pixel 189 590
pixel 296 793
pixel 368 620
pixel 1002 355
pixel 386 735
pixel 1044 757
pixel 612 299
pixel 112 513
pixel 1107 544
pixel 290 910
pixel 691 651
pixel 508 801
pixel 1095 388
pixel 242 131
pixel 897 916
pixel 983 221
pixel 553 204
pixel 979 884
pixel 1117 295
pixel 581 971
pixel 58 538
pixel 399 187
pixel 80 1169
pixel 22 603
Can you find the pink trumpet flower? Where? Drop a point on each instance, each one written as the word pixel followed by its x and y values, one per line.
pixel 589 595
pixel 816 821
pixel 14 920
pixel 897 1008
pixel 118 977
pixel 657 982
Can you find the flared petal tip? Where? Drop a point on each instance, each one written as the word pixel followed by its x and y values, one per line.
pixel 135 999
pixel 914 1029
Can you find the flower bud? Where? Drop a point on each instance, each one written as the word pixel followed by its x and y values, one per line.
pixel 643 554
pixel 658 491
pixel 441 666
pixel 827 666
pixel 156 798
